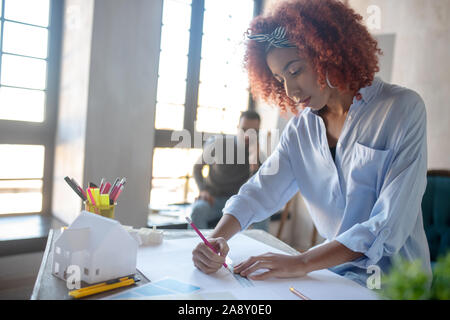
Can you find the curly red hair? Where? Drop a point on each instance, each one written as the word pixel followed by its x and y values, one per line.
pixel 328 34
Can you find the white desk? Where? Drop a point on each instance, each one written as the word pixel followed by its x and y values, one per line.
pixel 49 287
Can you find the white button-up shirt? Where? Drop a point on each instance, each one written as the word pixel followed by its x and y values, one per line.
pixel 369 198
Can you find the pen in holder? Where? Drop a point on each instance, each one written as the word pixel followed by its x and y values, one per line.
pixel 103 210
pixel 100 200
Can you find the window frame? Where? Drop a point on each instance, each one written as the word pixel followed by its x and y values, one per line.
pixel 39 133
pixel 163 136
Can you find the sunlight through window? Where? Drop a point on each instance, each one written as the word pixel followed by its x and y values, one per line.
pixel 23 85
pixel 25 40
pixel 173 181
pixel 21 172
pixel 28 11
pixel 24 53
pixel 173 62
pixel 222 86
pixel 223 90
pixel 23 72
pixel 22 104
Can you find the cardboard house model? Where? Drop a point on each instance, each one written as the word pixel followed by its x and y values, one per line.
pixel 100 247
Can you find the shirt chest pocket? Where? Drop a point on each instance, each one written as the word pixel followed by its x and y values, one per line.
pixel 367 170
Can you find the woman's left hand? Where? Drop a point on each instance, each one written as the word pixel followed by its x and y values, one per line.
pixel 278 265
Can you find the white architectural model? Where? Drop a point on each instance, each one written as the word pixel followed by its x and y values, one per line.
pixel 150 236
pixel 147 236
pixel 100 247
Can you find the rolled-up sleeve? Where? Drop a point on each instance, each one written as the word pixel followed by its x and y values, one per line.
pixel 268 190
pixel 396 210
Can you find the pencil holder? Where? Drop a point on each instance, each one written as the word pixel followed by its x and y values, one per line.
pixel 105 211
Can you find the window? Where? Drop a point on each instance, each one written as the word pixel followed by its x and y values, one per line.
pixel 24 48
pixel 21 179
pixel 29 44
pixel 173 61
pixel 202 87
pixel 223 87
pixel 173 180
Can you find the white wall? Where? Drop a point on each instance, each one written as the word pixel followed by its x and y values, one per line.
pixel 73 97
pixel 107 102
pixel 420 61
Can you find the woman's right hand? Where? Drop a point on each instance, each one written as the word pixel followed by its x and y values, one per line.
pixel 206 260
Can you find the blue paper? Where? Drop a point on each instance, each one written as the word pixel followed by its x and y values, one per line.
pixel 177 286
pixel 162 287
pixel 151 290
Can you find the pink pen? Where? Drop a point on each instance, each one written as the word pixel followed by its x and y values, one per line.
pixel 82 191
pixel 117 194
pixel 92 200
pixel 91 196
pixel 113 192
pixel 106 188
pixel 116 189
pixel 102 184
pixel 203 238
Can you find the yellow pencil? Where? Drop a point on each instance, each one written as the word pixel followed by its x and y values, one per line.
pixel 101 287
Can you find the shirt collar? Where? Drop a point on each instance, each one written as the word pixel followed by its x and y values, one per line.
pixel 367 93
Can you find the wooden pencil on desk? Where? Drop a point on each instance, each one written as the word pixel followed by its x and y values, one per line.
pixel 298 294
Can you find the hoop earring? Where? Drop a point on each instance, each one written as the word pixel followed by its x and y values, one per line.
pixel 328 82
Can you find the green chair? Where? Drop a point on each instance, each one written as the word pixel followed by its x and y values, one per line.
pixel 436 212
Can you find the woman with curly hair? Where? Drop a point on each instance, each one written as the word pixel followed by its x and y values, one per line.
pixel 356 148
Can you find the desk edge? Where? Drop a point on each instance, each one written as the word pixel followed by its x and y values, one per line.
pixel 35 293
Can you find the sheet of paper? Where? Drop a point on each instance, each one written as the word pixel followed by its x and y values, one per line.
pixel 173 258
